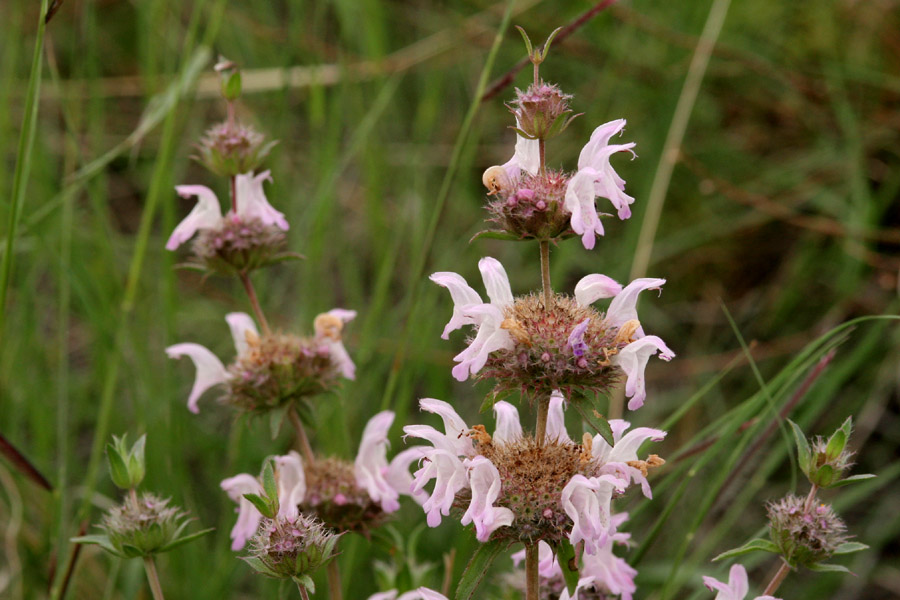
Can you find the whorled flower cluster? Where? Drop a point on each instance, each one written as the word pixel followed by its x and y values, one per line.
pixel 291 545
pixel 511 487
pixel 530 202
pixel 144 526
pixel 344 496
pixel 805 535
pixel 271 370
pixel 525 345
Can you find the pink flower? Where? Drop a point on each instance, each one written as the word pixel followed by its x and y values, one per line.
pixel 248 517
pixel 210 370
pixel 527 157
pixel 736 588
pixel 605 571
pixel 384 482
pixel 291 484
pixel 207 214
pixel 633 360
pixel 615 458
pixel 469 310
pixel 335 344
pixel 548 566
pixel 422 593
pixel 484 481
pixel 587 502
pixel 596 177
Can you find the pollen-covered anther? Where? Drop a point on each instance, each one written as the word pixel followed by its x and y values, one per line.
pixel 653 461
pixel 495 179
pixel 328 326
pixel 587 448
pixel 626 332
pixel 479 434
pixel 517 331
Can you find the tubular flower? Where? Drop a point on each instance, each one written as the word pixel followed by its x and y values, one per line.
pixel 422 593
pixel 525 345
pixel 529 202
pixel 736 588
pixel 344 495
pixel 510 487
pixel 271 370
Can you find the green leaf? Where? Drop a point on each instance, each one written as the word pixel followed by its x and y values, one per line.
pixel 262 505
pixel 276 418
pixel 587 408
pixel 497 234
pixel 270 486
pixel 186 539
pixel 803 451
pixel 543 51
pixel 751 546
pixel 136 462
pixel 853 479
pixel 527 40
pixel 824 476
pixel 118 470
pixel 565 555
pixel 836 444
pixel 231 88
pixel 850 547
pixel 829 568
pixel 99 540
pixel 478 566
pixel 258 566
pixel 307 582
pixel 847 426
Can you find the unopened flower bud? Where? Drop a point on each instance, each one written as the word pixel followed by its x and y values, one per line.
pixel 230 77
pixel 291 547
pixel 232 148
pixel 126 465
pixel 143 526
pixel 805 536
pixel 542 111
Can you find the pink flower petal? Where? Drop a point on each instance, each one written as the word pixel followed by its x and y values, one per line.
pixel 205 215
pixel 210 370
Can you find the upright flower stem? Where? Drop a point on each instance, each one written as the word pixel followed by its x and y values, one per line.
pixel 334 581
pixel 532 583
pixel 301 434
pixel 254 302
pixel 153 578
pixel 303 593
pixel 234 194
pixel 542 154
pixel 545 273
pixel 540 430
pixel 777 579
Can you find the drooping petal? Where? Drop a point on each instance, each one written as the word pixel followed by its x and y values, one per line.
pixel 484 481
pixel 341 358
pixel 595 156
pixel 205 215
pixel 556 422
pixel 399 477
pixel 496 282
pixel 623 307
pixel 461 294
pixel 248 517
pixel 610 572
pixel 291 484
pixel 632 359
pixel 594 287
pixel 591 153
pixel 587 502
pixel 736 588
pixel 527 157
pixel 252 203
pixel 455 429
pixel 626 445
pixel 490 338
pixel 210 370
pixel 579 201
pixel 371 462
pixel 450 477
pixel 240 323
pixel 508 427
pixel 388 595
pixel 345 315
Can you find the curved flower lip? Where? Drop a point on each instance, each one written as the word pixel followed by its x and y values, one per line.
pixel 632 359
pixel 252 202
pixel 526 157
pixel 248 517
pixel 587 502
pixel 421 593
pixel 371 466
pixel 736 588
pixel 484 481
pixel 205 215
pixel 291 484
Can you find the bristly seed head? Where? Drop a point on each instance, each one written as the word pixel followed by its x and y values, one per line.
pixel 277 369
pixel 542 111
pixel 143 528
pixel 238 246
pixel 291 547
pixel 566 347
pixel 805 537
pixel 229 149
pixel 532 206
pixel 333 496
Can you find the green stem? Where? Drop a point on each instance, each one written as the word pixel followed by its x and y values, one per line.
pixel 153 578
pixel 302 439
pixel 540 430
pixel 254 302
pixel 334 581
pixel 532 581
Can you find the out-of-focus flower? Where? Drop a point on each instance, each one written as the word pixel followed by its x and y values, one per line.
pixel 422 593
pixel 805 535
pixel 344 495
pixel 736 588
pixel 143 527
pixel 291 547
pixel 509 486
pixel 524 345
pixel 270 370
pixel 231 148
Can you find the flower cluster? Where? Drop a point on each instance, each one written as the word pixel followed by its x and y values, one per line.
pixel 523 344
pixel 512 487
pixel 344 496
pixel 291 546
pixel 805 535
pixel 143 526
pixel 273 369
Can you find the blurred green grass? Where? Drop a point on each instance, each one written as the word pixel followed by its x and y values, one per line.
pixel 783 206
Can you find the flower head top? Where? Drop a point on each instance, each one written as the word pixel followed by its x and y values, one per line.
pixel 512 487
pixel 345 496
pixel 736 588
pixel 273 369
pixel 524 344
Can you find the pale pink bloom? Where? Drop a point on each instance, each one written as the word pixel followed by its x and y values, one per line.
pixel 591 288
pixel 291 484
pixel 468 310
pixel 632 359
pixel 248 517
pixel 526 157
pixel 603 570
pixel 623 307
pixel 615 458
pixel 384 482
pixel 422 593
pixel 450 477
pixel 548 566
pixel 210 370
pixel 596 177
pixel 587 502
pixel 336 347
pixel 507 427
pixel 207 214
pixel 556 422
pixel 484 481
pixel 455 438
pixel 736 588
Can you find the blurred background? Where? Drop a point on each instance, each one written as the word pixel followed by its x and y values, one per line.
pixel 766 186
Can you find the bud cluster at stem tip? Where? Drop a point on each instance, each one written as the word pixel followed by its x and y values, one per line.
pixel 826 462
pixel 126 465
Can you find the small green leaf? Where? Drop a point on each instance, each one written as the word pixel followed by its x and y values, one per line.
pixel 231 87
pixel 803 451
pixel 829 568
pixel 847 426
pixel 477 568
pixel 136 462
pixel 824 476
pixel 853 479
pixel 751 546
pixel 565 555
pixel 276 418
pixel 186 539
pixel 258 566
pixel 118 470
pixel 522 133
pixel 587 408
pixel 546 48
pixel 527 40
pixel 262 505
pixel 496 234
pixel 836 444
pixel 99 540
pixel 270 486
pixel 850 548
pixel 307 582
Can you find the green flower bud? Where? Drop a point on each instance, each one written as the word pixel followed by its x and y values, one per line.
pixel 126 465
pixel 291 547
pixel 144 527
